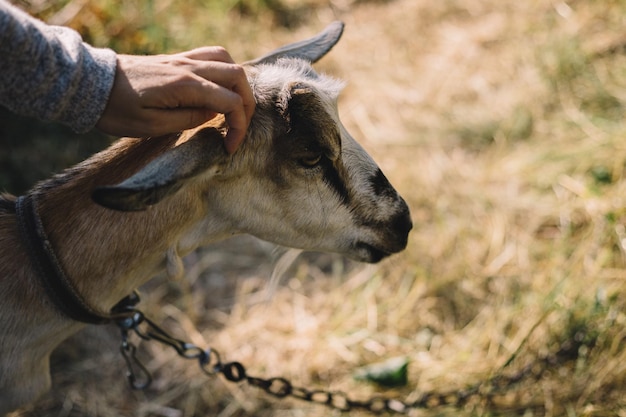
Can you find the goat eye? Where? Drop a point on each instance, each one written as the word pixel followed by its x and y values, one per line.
pixel 310 161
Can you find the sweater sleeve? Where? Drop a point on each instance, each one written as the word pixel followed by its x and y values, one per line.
pixel 48 72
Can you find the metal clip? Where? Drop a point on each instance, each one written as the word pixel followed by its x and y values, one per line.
pixel 138 376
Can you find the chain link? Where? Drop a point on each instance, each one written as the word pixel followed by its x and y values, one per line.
pixel 129 319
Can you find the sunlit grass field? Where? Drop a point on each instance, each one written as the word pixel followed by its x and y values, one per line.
pixel 500 122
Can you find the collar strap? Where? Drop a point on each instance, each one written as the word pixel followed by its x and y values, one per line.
pixel 55 282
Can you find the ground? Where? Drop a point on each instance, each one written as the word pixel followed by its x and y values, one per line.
pixel 500 122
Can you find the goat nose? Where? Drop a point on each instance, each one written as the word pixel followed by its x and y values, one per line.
pixel 401 225
pixel 403 222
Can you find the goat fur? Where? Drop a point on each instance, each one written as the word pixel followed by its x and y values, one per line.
pixel 162 197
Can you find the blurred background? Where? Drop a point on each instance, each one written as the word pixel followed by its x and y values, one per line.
pixel 501 123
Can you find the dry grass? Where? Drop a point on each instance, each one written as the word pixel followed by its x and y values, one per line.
pixel 501 124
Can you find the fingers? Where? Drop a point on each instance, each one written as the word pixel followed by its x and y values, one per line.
pixel 194 102
pixel 216 65
pixel 232 78
pixel 220 96
pixel 237 127
pixel 223 88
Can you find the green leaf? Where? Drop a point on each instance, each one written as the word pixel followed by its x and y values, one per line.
pixel 390 373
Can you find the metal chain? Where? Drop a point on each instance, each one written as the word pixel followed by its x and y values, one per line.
pixel 129 319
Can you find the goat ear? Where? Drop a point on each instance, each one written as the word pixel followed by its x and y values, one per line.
pixel 312 49
pixel 166 174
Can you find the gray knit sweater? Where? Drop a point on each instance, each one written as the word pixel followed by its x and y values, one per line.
pixel 48 72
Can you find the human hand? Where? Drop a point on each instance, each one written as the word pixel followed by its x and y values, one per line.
pixel 155 95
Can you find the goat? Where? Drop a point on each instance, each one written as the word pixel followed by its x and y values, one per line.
pixel 131 211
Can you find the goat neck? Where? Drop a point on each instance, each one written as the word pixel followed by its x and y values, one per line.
pixel 105 254
pixel 108 253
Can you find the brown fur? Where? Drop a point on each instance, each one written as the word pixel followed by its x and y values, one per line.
pixel 80 231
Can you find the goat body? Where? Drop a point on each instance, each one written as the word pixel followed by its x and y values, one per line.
pixel 132 210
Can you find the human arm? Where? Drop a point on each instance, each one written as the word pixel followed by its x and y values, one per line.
pixel 47 72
